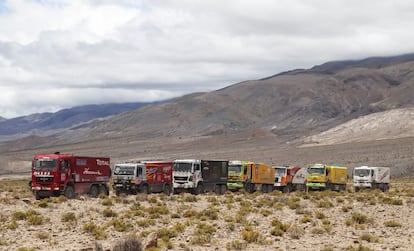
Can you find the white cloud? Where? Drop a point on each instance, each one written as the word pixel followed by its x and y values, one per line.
pixel 147 50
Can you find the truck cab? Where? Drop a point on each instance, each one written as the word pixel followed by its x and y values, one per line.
pixel 322 176
pixel 142 176
pixel 127 177
pixel 284 178
pixel 371 177
pixel 237 174
pixel 56 174
pixel 187 175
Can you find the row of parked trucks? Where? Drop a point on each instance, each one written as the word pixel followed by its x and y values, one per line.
pixel 57 174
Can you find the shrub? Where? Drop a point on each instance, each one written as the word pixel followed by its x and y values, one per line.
pixel 107 212
pixel 42 235
pixel 369 237
pixel 392 224
pixel 69 217
pixel 320 215
pixel 295 232
pixel 35 219
pixel 236 245
pixel 146 222
pixel 19 215
pixel 107 202
pixel 166 234
pixel 132 243
pixel 96 231
pixel 250 235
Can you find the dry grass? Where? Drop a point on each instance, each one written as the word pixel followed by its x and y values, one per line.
pixel 234 221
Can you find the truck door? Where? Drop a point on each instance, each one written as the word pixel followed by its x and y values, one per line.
pixel 64 170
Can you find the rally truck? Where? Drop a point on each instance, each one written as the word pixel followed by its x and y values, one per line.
pixel 63 174
pixel 371 177
pixel 284 178
pixel 250 176
pixel 199 176
pixel 142 176
pixel 321 176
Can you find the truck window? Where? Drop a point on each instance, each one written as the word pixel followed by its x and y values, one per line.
pixel 182 167
pixel 197 167
pixel 45 164
pixel 139 171
pixel 63 165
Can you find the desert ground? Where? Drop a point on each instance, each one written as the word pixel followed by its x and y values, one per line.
pixel 317 220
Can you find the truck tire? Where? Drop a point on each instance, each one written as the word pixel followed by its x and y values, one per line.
pixel 249 187
pixel 104 190
pixel 37 195
pixel 94 191
pixel 199 189
pixel 167 189
pixel 145 189
pixel 286 189
pixel 223 189
pixel 69 192
pixel 217 189
pixel 357 189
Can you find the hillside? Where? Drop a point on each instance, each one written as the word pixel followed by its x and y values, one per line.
pixel 290 105
pixel 41 123
pixel 391 124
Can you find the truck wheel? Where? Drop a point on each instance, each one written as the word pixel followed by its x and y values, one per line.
pixel 117 193
pixel 103 190
pixel 37 195
pixel 70 192
pixel 94 191
pixel 357 189
pixel 217 189
pixel 249 187
pixel 145 189
pixel 223 189
pixel 167 190
pixel 199 189
pixel 286 189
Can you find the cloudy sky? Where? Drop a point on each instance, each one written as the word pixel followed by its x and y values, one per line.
pixel 57 54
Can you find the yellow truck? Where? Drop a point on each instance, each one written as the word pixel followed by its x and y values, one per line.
pixel 321 176
pixel 250 176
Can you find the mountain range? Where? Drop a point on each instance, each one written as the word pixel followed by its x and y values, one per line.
pixel 333 103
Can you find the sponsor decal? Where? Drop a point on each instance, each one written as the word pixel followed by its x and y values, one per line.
pixel 87 171
pixel 100 162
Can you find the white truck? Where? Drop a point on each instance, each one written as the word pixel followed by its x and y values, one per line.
pixel 199 176
pixel 371 177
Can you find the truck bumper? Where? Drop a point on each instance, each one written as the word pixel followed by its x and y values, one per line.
pixel 234 185
pixel 316 185
pixel 189 185
pixel 362 184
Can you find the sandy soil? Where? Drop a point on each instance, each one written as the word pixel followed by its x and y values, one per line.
pixel 313 221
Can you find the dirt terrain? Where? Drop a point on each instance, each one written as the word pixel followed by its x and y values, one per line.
pixel 234 221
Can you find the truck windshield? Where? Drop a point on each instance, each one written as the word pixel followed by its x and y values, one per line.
pixel 280 172
pixel 316 170
pixel 124 170
pixel 235 168
pixel 362 172
pixel 45 164
pixel 182 167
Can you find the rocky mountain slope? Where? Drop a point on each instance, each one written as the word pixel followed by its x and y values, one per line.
pixel 290 105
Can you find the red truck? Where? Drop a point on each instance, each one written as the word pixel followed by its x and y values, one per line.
pixel 56 174
pixel 143 176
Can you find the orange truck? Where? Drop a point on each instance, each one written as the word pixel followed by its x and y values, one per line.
pixel 284 178
pixel 250 176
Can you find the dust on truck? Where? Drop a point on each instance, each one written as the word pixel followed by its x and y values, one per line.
pixel 371 177
pixel 250 176
pixel 57 174
pixel 321 176
pixel 199 176
pixel 142 176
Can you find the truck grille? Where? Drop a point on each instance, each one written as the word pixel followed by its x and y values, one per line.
pixel 180 179
pixel 44 179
